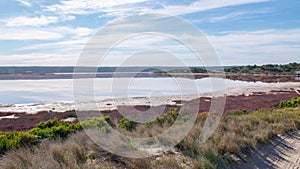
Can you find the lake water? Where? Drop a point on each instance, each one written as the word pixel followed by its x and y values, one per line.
pixel 56 90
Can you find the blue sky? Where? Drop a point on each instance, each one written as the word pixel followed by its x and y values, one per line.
pixel 241 31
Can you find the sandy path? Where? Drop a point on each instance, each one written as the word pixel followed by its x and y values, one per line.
pixel 281 152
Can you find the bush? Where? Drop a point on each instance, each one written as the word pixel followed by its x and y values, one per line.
pixel 169 117
pixel 274 69
pixel 44 130
pixel 127 124
pixel 48 124
pixel 293 103
pixel 12 140
pixel 99 123
pixel 53 128
pixel 48 130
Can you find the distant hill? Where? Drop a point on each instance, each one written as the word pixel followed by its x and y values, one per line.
pixel 290 68
pixel 186 70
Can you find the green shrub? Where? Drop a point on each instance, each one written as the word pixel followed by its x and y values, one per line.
pixel 53 128
pixel 293 103
pixel 127 124
pixel 269 68
pixel 100 123
pixel 49 129
pixel 169 117
pixel 48 124
pixel 12 140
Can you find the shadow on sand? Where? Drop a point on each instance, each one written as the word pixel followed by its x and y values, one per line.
pixel 268 156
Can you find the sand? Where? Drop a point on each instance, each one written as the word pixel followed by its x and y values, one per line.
pixel 282 152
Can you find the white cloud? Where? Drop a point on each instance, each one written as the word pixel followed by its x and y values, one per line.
pixel 123 7
pixel 81 32
pixel 79 37
pixel 78 32
pixel 238 15
pixel 242 47
pixel 87 6
pixel 24 3
pixel 202 5
pixel 226 17
pixel 28 34
pixel 27 21
pixel 68 18
pixel 264 46
pixel 41 59
pixel 233 47
pixel 65 45
pixel 44 34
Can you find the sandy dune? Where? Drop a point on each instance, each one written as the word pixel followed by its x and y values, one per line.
pixel 282 152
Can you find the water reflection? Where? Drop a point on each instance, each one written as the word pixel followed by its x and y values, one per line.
pixel 55 90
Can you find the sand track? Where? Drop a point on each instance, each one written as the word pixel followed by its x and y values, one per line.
pixel 282 152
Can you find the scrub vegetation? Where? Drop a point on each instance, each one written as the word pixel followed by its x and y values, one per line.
pixel 290 68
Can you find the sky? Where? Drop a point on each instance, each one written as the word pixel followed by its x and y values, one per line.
pixel 242 32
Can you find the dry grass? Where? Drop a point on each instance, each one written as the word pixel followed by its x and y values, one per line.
pixel 238 132
pixel 49 154
pixel 79 151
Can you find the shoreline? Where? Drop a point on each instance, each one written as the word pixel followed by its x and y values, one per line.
pixel 263 77
pixel 246 98
pixel 109 104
